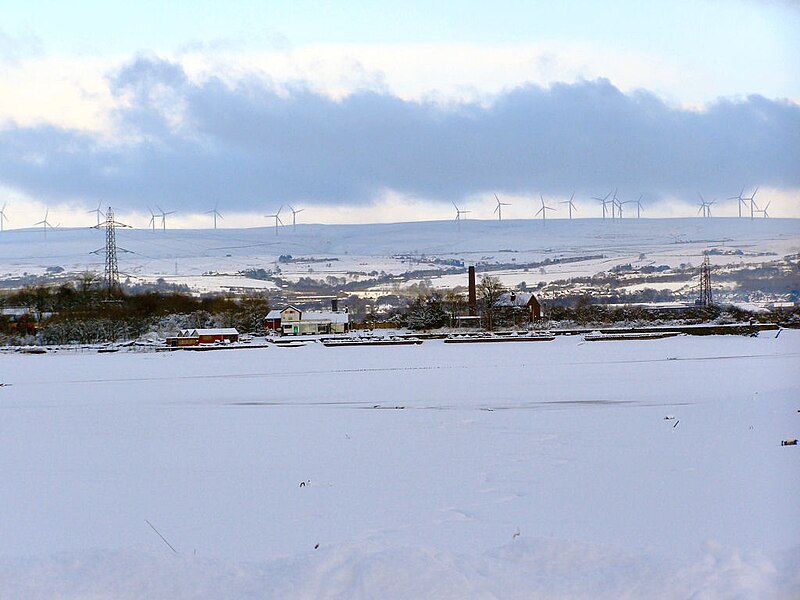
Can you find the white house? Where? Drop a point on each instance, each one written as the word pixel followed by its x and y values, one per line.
pixel 292 321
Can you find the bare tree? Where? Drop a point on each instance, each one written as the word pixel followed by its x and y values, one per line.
pixel 489 291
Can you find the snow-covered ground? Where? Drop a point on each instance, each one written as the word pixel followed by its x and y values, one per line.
pixel 531 470
pixel 188 256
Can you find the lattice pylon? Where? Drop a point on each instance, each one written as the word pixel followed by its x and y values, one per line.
pixel 111 276
pixel 706 297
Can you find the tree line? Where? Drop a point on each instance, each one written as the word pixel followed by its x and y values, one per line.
pixel 82 311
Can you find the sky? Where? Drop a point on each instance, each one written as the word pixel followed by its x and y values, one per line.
pixel 385 111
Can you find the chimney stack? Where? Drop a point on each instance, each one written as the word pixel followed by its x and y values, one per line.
pixel 473 297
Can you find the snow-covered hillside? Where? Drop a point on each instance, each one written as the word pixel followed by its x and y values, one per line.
pixel 184 256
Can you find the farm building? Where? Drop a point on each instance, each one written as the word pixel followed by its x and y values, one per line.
pixel 272 322
pixel 292 321
pixel 194 337
pixel 522 304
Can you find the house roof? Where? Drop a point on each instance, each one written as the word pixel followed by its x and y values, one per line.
pixel 515 299
pixel 274 314
pixel 326 316
pixel 218 331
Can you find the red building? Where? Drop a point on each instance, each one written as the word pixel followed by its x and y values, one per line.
pixel 195 337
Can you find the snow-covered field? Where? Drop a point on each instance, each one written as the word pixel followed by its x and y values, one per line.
pixel 531 470
pixel 194 256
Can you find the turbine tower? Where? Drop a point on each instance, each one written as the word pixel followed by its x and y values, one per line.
pixel 705 207
pixel 639 206
pixel 543 210
pixel 44 222
pixel 294 215
pixel 3 217
pixel 215 214
pixel 460 212
pixel 753 206
pixel 615 203
pixel 277 218
pixel 152 221
pixel 570 205
pixel 163 216
pixel 111 275
pixel 604 201
pixel 96 211
pixel 741 201
pixel 499 208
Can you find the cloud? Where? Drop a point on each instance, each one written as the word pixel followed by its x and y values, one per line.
pixel 251 143
pixel 14 48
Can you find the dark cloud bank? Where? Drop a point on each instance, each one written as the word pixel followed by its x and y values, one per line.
pixel 250 146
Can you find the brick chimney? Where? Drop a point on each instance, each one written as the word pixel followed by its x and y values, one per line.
pixel 473 296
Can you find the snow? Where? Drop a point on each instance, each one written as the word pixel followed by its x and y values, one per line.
pixel 210 260
pixel 440 470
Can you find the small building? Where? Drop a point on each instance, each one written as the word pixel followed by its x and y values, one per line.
pixel 272 322
pixel 520 302
pixel 182 340
pixel 195 337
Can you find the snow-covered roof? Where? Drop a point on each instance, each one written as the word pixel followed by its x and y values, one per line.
pixel 514 299
pixel 327 316
pixel 274 314
pixel 219 331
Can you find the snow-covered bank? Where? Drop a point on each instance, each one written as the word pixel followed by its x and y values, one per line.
pixel 419 465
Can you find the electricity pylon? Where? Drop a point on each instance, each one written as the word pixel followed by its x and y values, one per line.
pixel 111 275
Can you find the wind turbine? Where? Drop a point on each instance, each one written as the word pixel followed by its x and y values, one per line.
pixel 277 218
pixel 294 215
pixel 543 210
pixel 741 201
pixel 499 208
pixel 152 221
pixel 639 206
pixel 215 213
pixel 460 212
pixel 163 216
pixel 98 211
pixel 3 217
pixel 705 207
pixel 753 206
pixel 45 223
pixel 615 203
pixel 604 201
pixel 763 211
pixel 570 205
